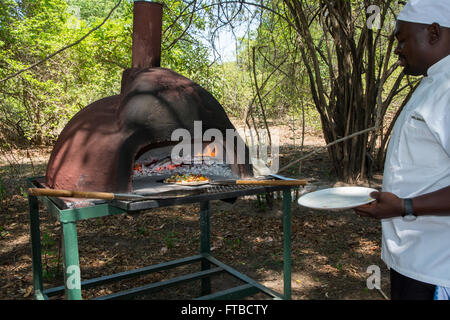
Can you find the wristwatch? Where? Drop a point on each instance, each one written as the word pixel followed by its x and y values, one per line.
pixel 408 215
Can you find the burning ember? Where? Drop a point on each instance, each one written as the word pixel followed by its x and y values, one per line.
pixel 165 166
pixel 203 163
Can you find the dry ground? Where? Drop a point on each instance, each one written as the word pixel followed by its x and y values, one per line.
pixel 331 250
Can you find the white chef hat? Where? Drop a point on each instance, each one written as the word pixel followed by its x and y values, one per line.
pixel 427 12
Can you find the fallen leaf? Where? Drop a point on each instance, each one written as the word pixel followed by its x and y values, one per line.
pixel 308 225
pixel 160 227
pixel 28 292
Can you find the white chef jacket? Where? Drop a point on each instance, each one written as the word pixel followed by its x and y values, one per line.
pixel 418 162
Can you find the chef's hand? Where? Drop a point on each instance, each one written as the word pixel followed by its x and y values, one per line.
pixel 386 205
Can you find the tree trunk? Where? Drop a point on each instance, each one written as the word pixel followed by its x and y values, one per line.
pixel 351 100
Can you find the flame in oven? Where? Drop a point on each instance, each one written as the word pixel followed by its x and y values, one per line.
pixel 209 152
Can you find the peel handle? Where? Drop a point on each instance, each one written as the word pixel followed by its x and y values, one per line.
pixel 70 193
pixel 273 182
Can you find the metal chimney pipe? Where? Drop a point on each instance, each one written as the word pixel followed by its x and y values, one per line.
pixel 147 30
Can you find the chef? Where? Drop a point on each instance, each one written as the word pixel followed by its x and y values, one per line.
pixel 414 205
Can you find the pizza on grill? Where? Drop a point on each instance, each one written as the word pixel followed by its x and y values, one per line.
pixel 187 179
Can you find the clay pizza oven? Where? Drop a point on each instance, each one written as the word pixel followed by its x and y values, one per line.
pixel 98 148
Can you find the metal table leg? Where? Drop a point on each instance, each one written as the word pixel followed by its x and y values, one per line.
pixel 287 242
pixel 72 274
pixel 205 243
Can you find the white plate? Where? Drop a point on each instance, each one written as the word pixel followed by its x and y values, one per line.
pixel 337 198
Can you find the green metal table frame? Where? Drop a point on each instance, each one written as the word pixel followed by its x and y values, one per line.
pixel 72 275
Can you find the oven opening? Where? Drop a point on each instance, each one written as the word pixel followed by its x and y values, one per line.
pixel 198 157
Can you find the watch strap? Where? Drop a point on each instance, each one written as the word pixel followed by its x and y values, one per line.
pixel 408 207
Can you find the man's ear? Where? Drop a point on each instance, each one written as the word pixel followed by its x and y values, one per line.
pixel 434 33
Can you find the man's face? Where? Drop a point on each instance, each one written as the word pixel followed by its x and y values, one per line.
pixel 411 47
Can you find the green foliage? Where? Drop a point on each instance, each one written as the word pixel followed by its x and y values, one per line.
pixel 3 233
pixel 51 257
pixel 91 12
pixel 235 89
pixel 37 104
pixel 171 239
pixel 233 243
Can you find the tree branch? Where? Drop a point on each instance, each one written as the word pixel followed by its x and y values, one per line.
pixel 328 145
pixel 66 47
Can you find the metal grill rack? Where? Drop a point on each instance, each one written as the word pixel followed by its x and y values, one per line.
pixel 210 266
pixel 214 192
